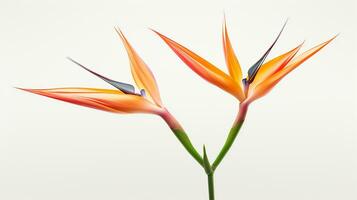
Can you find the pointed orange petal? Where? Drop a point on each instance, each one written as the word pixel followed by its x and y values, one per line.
pixel 102 99
pixel 273 65
pixel 264 87
pixel 232 62
pixel 142 75
pixel 203 68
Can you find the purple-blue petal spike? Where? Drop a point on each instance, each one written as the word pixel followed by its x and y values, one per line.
pixel 253 70
pixel 124 87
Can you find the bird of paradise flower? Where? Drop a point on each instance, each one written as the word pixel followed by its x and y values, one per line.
pixel 262 77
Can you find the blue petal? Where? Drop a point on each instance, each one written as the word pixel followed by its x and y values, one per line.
pixel 124 87
pixel 253 70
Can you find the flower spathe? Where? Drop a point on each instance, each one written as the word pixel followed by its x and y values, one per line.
pixel 262 77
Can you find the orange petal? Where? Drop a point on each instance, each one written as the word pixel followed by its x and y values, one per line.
pixel 205 69
pixel 142 75
pixel 273 65
pixel 232 62
pixel 264 87
pixel 102 99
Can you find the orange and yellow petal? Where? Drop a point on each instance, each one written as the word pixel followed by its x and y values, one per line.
pixel 264 87
pixel 205 69
pixel 273 65
pixel 101 99
pixel 232 62
pixel 142 74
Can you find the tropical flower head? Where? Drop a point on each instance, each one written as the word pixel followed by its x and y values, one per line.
pixel 261 77
pixel 124 98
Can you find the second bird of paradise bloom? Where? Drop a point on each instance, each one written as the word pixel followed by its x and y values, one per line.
pixel 261 78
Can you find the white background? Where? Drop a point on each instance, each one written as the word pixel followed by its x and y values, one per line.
pixel 299 142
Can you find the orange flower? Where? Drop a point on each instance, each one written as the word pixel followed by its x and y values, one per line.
pixel 122 100
pixel 261 77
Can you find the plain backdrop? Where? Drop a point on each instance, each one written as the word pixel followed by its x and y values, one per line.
pixel 298 143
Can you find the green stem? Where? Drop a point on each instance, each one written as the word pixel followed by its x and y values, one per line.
pixel 181 135
pixel 210 186
pixel 232 135
pixel 185 141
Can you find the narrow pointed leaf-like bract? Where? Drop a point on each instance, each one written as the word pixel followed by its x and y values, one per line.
pixel 206 164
